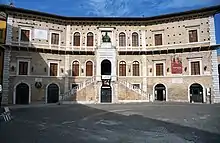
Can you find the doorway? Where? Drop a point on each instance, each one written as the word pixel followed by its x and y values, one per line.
pixel 160 92
pixel 22 94
pixel 52 93
pixel 106 67
pixel 196 92
pixel 106 94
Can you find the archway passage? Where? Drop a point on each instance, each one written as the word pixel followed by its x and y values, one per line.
pixel 160 92
pixel 106 94
pixel 52 93
pixel 22 94
pixel 196 92
pixel 106 67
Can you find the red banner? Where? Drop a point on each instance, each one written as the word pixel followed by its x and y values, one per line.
pixel 176 65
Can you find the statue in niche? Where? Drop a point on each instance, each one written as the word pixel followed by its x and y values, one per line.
pixel 106 38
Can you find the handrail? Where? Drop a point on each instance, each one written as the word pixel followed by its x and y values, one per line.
pixel 138 90
pixel 72 91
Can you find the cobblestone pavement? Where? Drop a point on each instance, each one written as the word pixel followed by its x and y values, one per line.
pixel 115 123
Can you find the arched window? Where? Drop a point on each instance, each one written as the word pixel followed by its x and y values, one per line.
pixel 135 39
pixel 89 68
pixel 75 68
pixel 76 39
pixel 122 39
pixel 122 68
pixel 90 39
pixel 135 68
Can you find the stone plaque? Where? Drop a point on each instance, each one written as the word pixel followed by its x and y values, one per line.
pixel 38 79
pixel 177 80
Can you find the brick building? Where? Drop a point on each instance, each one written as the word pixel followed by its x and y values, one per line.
pixel 50 58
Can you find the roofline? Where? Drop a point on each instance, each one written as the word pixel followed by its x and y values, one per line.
pixel 212 9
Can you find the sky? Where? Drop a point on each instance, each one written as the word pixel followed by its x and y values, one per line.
pixel 116 8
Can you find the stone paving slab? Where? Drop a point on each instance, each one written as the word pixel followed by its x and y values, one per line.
pixel 127 123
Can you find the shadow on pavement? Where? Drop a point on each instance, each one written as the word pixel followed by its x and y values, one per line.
pixel 83 124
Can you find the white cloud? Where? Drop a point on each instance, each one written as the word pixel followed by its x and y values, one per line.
pixel 139 7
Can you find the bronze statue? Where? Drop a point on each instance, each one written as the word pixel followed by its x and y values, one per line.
pixel 106 38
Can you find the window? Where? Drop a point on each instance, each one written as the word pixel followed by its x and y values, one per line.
pixel 195 68
pixel 1 33
pixel 74 85
pixel 23 68
pixel 25 35
pixel 75 68
pixel 76 39
pixel 159 69
pixel 158 39
pixel 53 69
pixel 193 37
pixel 122 68
pixel 135 39
pixel 90 39
pixel 55 38
pixel 136 68
pixel 89 68
pixel 122 39
pixel 136 86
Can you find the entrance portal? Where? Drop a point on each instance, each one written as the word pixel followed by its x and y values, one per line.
pixel 106 94
pixel 22 94
pixel 160 92
pixel 106 67
pixel 52 93
pixel 196 92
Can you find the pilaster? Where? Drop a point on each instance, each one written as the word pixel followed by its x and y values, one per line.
pixel 144 71
pixel 214 61
pixel 6 69
pixel 66 66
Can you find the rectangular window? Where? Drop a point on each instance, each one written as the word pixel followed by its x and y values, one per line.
pixel 136 86
pixel 25 35
pixel 74 85
pixel 158 39
pixel 53 69
pixel 159 69
pixel 193 37
pixel 195 68
pixel 55 37
pixel 23 68
pixel 1 33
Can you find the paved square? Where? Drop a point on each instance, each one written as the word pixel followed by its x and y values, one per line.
pixel 115 123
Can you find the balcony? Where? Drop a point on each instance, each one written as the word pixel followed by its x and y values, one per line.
pixel 163 47
pixel 52 47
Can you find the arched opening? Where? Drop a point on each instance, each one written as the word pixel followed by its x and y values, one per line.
pixel 196 93
pixel 106 94
pixel 22 94
pixel 122 39
pixel 52 93
pixel 106 67
pixel 76 39
pixel 160 92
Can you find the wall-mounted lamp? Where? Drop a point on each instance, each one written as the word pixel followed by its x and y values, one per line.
pixel 61 70
pixel 168 69
pixel 129 70
pixel 32 69
pixel 185 69
pixel 45 69
pixel 205 68
pixel 150 70
pixel 12 68
pixel 82 69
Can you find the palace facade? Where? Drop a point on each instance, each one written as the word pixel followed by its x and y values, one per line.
pixel 51 58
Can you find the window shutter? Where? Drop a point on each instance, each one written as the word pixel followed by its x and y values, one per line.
pixel 75 68
pixel 76 39
pixel 90 39
pixel 122 39
pixel 158 39
pixel 135 39
pixel 122 69
pixel 89 68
